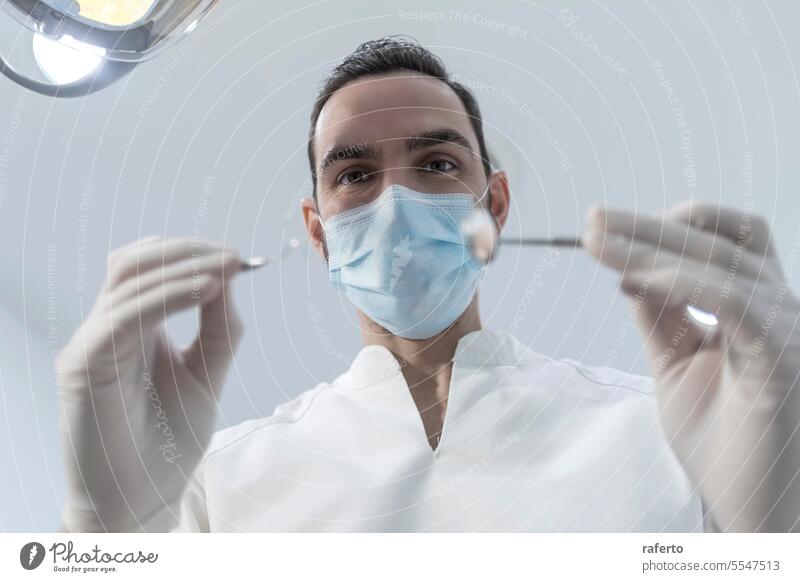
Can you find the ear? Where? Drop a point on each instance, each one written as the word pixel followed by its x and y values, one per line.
pixel 313 224
pixel 501 196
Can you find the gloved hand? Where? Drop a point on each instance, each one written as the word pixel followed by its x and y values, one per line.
pixel 729 395
pixel 136 412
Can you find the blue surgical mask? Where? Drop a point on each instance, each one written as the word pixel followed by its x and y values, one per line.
pixel 402 260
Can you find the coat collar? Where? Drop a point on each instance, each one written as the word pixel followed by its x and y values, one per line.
pixel 375 364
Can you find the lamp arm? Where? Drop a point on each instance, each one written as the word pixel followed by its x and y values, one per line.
pixel 102 77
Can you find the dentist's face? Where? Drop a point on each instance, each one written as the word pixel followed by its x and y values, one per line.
pixel 401 128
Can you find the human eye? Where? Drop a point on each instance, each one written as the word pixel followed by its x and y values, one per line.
pixel 350 177
pixel 439 166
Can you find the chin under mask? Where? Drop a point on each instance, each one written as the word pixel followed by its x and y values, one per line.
pixel 402 260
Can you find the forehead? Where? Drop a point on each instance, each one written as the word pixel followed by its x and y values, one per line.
pixel 386 107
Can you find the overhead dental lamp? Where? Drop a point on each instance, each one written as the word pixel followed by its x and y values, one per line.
pixel 84 46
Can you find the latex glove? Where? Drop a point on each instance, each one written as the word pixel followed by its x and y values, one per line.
pixel 137 413
pixel 728 395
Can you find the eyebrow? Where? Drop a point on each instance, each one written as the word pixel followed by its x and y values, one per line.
pixel 435 137
pixel 366 151
pixel 341 152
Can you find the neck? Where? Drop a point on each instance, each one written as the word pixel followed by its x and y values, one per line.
pixel 428 355
pixel 427 365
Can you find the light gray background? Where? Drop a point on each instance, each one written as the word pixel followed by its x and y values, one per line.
pixel 222 120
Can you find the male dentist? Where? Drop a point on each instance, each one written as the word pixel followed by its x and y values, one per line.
pixel 440 424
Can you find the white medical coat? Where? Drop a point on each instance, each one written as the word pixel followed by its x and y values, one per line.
pixel 529 444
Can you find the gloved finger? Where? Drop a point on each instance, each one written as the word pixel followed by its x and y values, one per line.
pixel 681 239
pixel 221 329
pixel 222 264
pixel 692 283
pixel 750 232
pixel 153 306
pixel 138 243
pixel 740 226
pixel 624 255
pixel 133 246
pixel 130 261
pixel 148 295
pixel 152 238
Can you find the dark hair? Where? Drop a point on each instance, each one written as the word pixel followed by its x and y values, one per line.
pixel 385 55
